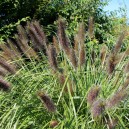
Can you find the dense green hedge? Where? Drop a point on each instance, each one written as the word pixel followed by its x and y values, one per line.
pixel 13 12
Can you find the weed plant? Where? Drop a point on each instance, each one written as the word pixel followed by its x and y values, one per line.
pixel 63 84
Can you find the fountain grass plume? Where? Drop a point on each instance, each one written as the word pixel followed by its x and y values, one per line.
pixel 110 63
pixel 35 39
pixel 40 32
pixel 63 40
pixel 72 58
pixel 4 85
pixel 47 101
pixel 14 48
pixel 52 57
pixel 93 94
pixel 80 36
pixel 112 123
pixel 7 52
pixel 126 68
pixel 91 27
pixel 22 33
pixel 3 72
pixel 56 44
pixel 9 67
pixel 27 50
pixel 82 55
pixel 53 123
pixel 103 54
pixel 98 108
pixel 119 42
pixel 116 98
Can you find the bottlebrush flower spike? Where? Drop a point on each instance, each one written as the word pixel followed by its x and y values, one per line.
pixel 72 58
pixel 97 108
pixel 116 98
pixel 62 78
pixel 112 123
pixel 53 123
pixel 118 44
pixel 111 63
pixel 80 36
pixel 48 103
pixel 4 85
pixel 103 52
pixel 82 55
pixel 40 32
pixel 52 57
pixel 76 45
pixel 93 94
pixel 126 68
pixel 56 45
pixel 36 39
pixel 3 72
pixel 37 35
pixel 126 83
pixel 27 50
pixel 9 67
pixel 14 48
pixel 63 40
pixel 93 56
pixel 7 52
pixel 91 27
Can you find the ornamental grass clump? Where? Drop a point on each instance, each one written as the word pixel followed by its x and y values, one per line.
pixel 87 81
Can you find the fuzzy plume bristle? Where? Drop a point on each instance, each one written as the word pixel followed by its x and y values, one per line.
pixel 116 98
pixel 9 67
pixel 80 37
pixel 73 58
pixel 112 123
pixel 111 63
pixel 91 27
pixel 62 78
pixel 56 45
pixel 37 35
pixel 63 40
pixel 4 85
pixel 76 44
pixel 48 103
pixel 82 55
pixel 126 83
pixel 36 39
pixel 126 68
pixel 14 48
pixel 22 33
pixel 53 123
pixel 40 32
pixel 7 52
pixel 93 94
pixel 103 52
pixel 52 57
pixel 118 44
pixel 27 50
pixel 97 108
pixel 93 56
pixel 127 52
pixel 3 72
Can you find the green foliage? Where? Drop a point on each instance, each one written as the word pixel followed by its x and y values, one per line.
pixel 74 12
pixel 14 12
pixel 48 11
